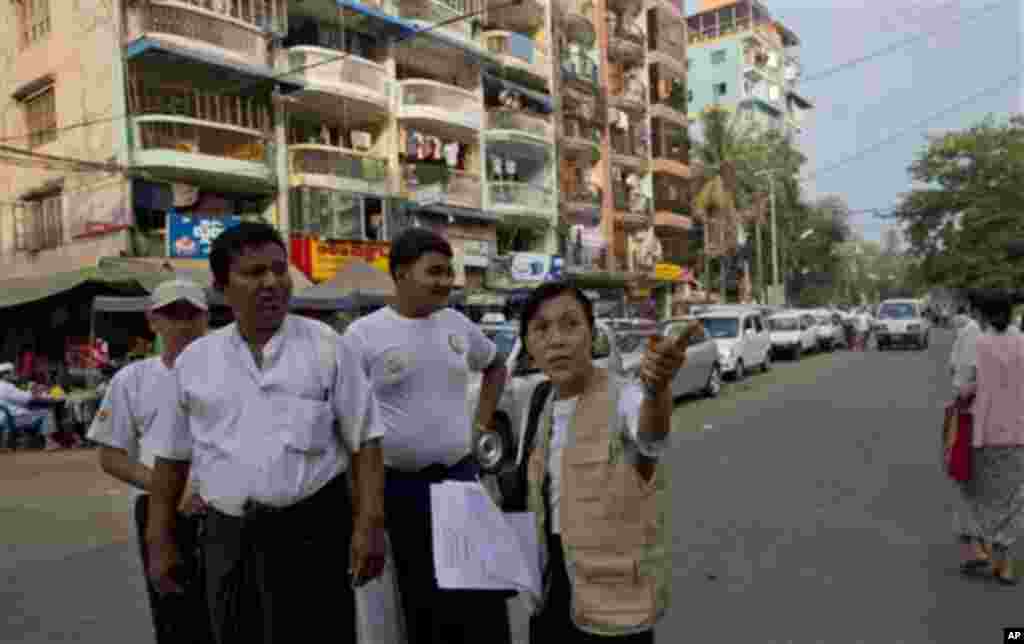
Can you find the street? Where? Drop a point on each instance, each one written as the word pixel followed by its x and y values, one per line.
pixel 809 506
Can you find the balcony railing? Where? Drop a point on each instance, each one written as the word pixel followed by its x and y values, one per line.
pixel 633 96
pixel 431 100
pixel 578 136
pixel 625 42
pixel 504 194
pixel 517 120
pixel 628 144
pixel 580 68
pixel 579 20
pixel 356 171
pixel 191 136
pixel 439 11
pixel 427 182
pixel 534 61
pixel 728 28
pixel 348 74
pixel 189 22
pixel 588 198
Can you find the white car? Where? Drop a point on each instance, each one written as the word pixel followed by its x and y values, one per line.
pixel 829 327
pixel 702 371
pixel 793 333
pixel 740 337
pixel 901 322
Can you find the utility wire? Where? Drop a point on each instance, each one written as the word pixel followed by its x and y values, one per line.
pixel 272 78
pixel 900 44
pixel 916 126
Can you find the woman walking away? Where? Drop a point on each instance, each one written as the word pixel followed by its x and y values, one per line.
pixel 996 488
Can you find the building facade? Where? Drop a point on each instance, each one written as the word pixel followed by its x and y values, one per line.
pixel 746 61
pixel 555 128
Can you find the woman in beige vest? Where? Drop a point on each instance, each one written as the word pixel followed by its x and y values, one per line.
pixel 594 481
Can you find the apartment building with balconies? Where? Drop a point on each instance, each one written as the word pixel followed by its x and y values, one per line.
pixel 741 57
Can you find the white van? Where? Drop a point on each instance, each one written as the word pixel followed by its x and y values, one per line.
pixel 901 322
pixel 741 338
pixel 793 333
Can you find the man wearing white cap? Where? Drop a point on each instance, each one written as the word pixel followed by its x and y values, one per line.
pixel 178 313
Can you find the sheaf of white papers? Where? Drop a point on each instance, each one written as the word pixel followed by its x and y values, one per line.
pixel 477 546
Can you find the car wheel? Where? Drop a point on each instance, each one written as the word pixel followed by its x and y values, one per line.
pixel 713 387
pixel 766 364
pixel 740 372
pixel 494 448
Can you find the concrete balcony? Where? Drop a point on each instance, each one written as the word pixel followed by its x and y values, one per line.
pixel 632 99
pixel 632 208
pixel 521 203
pixel 427 13
pixel 428 183
pixel 364 85
pixel 524 17
pixel 585 201
pixel 188 150
pixel 579 139
pixel 578 20
pixel 498 43
pixel 324 166
pixel 183 24
pixel 444 110
pixel 517 125
pixel 677 66
pixel 581 70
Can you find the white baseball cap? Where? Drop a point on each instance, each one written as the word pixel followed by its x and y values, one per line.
pixel 175 290
pixel 7 367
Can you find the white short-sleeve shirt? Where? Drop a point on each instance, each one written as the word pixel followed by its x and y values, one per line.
pixel 269 434
pixel 129 408
pixel 419 369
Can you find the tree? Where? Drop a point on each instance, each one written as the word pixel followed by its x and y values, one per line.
pixel 968 206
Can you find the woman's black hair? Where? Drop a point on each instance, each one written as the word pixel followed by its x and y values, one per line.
pixel 413 243
pixel 995 306
pixel 234 241
pixel 549 291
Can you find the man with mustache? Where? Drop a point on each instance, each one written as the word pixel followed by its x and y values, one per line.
pixel 274 415
pixel 418 355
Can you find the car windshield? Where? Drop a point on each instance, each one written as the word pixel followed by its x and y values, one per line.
pixel 632 341
pixel 897 311
pixel 721 327
pixel 504 338
pixel 784 324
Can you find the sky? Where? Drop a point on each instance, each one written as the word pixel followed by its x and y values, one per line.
pixel 860 106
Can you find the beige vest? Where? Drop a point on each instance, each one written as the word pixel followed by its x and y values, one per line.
pixel 613 523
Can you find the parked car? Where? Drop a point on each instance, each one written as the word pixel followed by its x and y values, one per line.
pixel 829 328
pixel 523 378
pixel 702 372
pixel 901 322
pixel 793 333
pixel 740 337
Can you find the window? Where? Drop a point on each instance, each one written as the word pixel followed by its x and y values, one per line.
pixel 689 96
pixel 38 223
pixel 718 57
pixel 721 89
pixel 33 21
pixel 41 117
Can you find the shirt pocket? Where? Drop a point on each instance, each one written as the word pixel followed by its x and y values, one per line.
pixel 391 369
pixel 304 425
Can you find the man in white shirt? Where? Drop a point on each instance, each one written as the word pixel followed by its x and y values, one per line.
pixel 963 359
pixel 862 324
pixel 418 355
pixel 273 414
pixel 29 410
pixel 178 314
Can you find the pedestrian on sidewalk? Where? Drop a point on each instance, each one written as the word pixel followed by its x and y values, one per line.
pixel 419 354
pixel 594 479
pixel 178 313
pixel 273 413
pixel 996 488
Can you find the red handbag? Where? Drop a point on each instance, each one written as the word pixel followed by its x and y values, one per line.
pixel 958 466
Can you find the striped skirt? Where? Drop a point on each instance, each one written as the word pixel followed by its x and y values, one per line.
pixel 994 497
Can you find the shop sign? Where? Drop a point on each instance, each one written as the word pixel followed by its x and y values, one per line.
pixel 328 257
pixel 189 236
pixel 99 209
pixel 668 272
pixel 518 271
pixel 472 253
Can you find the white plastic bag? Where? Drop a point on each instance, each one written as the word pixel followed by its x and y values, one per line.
pixel 379 618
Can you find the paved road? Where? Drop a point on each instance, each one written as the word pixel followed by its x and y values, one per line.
pixel 808 507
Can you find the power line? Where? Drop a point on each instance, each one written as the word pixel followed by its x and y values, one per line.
pixel 274 77
pixel 943 112
pixel 900 44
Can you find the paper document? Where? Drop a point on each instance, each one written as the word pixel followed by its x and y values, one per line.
pixel 477 546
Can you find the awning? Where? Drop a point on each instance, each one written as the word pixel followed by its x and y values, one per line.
pixel 197 270
pixel 493 86
pixel 229 72
pixel 24 290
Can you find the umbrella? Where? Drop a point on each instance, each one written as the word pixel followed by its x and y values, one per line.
pixel 357 280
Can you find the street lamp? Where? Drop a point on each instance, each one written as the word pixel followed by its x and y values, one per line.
pixel 775 238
